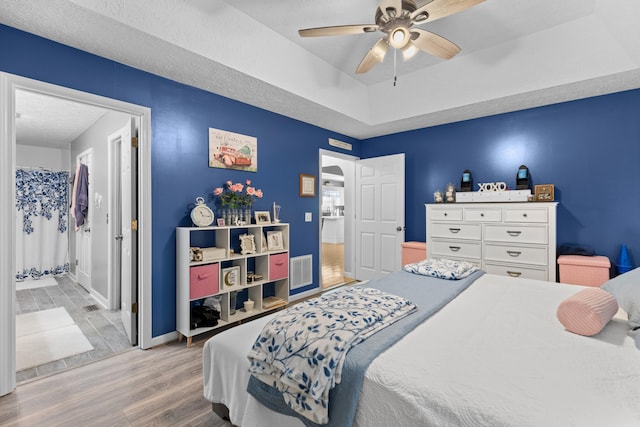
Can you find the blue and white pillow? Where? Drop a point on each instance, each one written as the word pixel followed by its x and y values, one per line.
pixel 626 290
pixel 442 268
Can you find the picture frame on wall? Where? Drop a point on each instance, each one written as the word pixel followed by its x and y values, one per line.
pixel 262 217
pixel 274 240
pixel 307 185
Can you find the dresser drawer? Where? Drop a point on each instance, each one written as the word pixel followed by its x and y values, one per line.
pixel 516 254
pixel 513 271
pixel 446 249
pixel 444 214
pixel 525 215
pixel 516 233
pixel 457 231
pixel 483 214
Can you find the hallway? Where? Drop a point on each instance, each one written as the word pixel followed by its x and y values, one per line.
pixel 103 328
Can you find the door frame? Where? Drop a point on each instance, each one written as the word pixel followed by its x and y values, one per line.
pixel 9 83
pixel 352 233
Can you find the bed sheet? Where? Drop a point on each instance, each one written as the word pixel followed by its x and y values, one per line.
pixel 496 355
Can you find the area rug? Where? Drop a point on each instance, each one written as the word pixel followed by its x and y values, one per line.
pixel 36 283
pixel 46 336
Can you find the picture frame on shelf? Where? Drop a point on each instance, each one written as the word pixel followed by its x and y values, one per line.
pixel 307 185
pixel 230 277
pixel 247 244
pixel 544 193
pixel 262 217
pixel 220 222
pixel 274 240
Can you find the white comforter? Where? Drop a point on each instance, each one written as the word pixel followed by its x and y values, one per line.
pixel 495 356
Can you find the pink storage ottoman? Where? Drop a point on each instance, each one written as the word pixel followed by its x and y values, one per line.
pixel 413 252
pixel 584 270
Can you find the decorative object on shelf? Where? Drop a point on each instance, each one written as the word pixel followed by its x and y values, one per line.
pixel 213 253
pixel 248 306
pixel 274 240
pixel 438 197
pixel 253 278
pixel 247 244
pixel 233 297
pixel 307 185
pixel 276 213
pixel 230 277
pixel 543 193
pixel 466 183
pixel 272 302
pixel 450 193
pixel 201 214
pixel 492 186
pixel 220 222
pixel 196 254
pixel 263 217
pixel 523 178
pixel 236 200
pixel 229 150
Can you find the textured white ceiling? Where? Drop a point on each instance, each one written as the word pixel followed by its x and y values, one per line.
pixel 515 54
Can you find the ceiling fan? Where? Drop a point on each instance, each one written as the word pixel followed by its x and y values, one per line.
pixel 396 19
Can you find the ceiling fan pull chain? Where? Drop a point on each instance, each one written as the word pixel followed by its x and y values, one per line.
pixel 395 75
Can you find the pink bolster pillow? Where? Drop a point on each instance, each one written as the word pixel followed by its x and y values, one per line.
pixel 588 311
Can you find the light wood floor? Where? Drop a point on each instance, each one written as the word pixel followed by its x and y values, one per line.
pixel 159 387
pixel 333 265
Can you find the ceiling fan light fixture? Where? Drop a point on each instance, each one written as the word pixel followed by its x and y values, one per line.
pixel 399 37
pixel 421 17
pixel 409 51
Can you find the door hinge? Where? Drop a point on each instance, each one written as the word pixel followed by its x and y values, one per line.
pixel 134 308
pixel 134 225
pixel 134 142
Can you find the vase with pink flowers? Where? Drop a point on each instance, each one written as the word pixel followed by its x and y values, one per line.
pixel 236 200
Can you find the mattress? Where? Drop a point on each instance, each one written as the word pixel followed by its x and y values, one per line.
pixel 496 355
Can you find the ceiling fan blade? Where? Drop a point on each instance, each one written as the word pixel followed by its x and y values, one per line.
pixel 390 4
pixel 434 44
pixel 374 56
pixel 440 8
pixel 339 30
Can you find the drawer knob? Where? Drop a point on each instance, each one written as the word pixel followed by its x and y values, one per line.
pixel 524 215
pixel 513 233
pixel 514 253
pixel 482 214
pixel 514 273
pixel 445 214
pixel 454 248
pixel 454 230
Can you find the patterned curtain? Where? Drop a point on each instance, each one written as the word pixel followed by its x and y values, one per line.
pixel 42 202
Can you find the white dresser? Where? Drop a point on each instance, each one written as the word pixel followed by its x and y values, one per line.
pixel 511 239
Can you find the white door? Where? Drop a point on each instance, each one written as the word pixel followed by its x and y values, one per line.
pixel 83 234
pixel 125 219
pixel 379 216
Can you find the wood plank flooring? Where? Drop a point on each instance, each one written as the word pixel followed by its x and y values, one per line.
pixel 333 265
pixel 160 387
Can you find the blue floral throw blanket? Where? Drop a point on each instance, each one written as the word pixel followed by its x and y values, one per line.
pixel 301 351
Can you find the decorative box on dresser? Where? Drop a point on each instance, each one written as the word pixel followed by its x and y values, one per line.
pixel 198 280
pixel 514 239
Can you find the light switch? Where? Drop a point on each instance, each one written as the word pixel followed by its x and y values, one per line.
pixel 307 217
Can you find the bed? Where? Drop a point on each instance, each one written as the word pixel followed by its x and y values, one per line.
pixel 495 355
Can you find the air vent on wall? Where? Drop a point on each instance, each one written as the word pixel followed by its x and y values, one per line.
pixel 301 269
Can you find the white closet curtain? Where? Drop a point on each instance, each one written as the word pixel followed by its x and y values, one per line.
pixel 42 242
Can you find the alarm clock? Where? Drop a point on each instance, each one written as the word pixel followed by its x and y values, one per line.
pixel 201 214
pixel 523 178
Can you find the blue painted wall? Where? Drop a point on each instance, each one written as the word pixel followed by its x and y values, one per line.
pixel 589 149
pixel 181 116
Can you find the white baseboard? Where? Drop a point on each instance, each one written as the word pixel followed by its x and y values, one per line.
pixel 163 339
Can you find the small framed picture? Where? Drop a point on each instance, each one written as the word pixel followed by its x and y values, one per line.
pixel 230 277
pixel 544 193
pixel 263 217
pixel 307 185
pixel 274 240
pixel 247 244
pixel 220 222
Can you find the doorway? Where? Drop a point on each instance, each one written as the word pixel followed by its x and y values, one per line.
pixel 9 87
pixel 337 173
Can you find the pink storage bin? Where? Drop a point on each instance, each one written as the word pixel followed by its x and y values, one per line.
pixel 584 270
pixel 204 280
pixel 413 252
pixel 278 266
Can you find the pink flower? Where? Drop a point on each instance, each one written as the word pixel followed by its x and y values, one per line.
pixel 251 191
pixel 248 182
pixel 229 183
pixel 217 191
pixel 259 194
